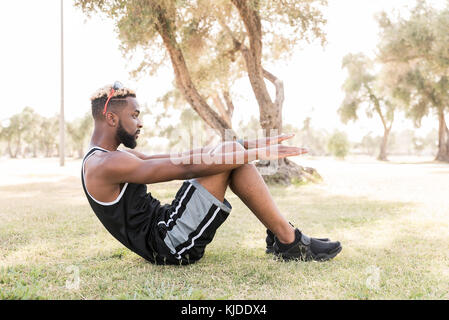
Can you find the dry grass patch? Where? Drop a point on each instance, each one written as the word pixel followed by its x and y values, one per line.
pixel 391 219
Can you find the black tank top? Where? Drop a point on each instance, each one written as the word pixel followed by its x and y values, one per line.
pixel 131 218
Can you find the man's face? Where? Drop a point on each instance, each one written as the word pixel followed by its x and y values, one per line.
pixel 129 124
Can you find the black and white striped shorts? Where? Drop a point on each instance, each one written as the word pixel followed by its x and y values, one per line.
pixel 190 223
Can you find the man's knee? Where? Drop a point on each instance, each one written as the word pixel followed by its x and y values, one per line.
pixel 229 146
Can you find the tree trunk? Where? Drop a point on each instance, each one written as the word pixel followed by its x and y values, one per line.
pixel 229 104
pixel 443 138
pixel 165 28
pixel 270 113
pixel 282 171
pixel 48 151
pixel 225 115
pixel 10 149
pixel 18 147
pixel 383 147
pixel 447 140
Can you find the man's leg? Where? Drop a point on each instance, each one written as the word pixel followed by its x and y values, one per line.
pixel 247 183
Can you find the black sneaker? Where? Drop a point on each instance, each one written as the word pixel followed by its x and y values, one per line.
pixel 305 248
pixel 270 241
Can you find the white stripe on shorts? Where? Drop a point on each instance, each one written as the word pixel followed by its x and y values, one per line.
pixel 198 235
pixel 177 207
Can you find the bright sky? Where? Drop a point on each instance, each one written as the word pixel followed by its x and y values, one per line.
pixel 30 64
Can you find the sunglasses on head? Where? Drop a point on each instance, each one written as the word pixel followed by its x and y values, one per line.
pixel 116 86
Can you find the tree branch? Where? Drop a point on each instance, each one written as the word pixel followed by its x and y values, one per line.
pixel 222 109
pixel 229 103
pixel 279 85
pixel 182 76
pixel 376 102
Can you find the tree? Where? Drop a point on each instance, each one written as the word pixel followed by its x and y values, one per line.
pixel 363 87
pixel 19 124
pixel 79 130
pixel 313 139
pixel 249 128
pixel 338 144
pixel 419 45
pixel 33 125
pixel 211 44
pixel 369 144
pixel 7 134
pixel 48 137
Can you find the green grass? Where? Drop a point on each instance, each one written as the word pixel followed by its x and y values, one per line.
pixel 47 230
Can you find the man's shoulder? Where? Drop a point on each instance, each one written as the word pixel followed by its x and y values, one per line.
pixel 101 161
pixel 112 165
pixel 117 157
pixel 135 153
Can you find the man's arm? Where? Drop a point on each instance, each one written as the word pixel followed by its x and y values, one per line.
pixel 121 167
pixel 265 141
pixel 143 156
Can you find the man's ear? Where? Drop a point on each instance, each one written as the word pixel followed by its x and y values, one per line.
pixel 111 119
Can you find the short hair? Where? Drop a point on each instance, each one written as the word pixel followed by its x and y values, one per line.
pixel 100 97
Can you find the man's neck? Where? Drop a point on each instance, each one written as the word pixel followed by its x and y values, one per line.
pixel 100 140
pixel 105 146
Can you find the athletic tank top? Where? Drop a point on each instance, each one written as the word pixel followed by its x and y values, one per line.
pixel 131 218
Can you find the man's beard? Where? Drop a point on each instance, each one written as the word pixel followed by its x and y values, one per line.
pixel 124 137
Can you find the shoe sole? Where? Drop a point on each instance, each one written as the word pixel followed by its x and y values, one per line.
pixel 270 249
pixel 328 256
pixel 319 257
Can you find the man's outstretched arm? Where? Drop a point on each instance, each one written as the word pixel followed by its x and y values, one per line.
pixel 121 167
pixel 247 144
pixel 143 156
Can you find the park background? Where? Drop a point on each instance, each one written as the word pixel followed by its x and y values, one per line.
pixel 390 215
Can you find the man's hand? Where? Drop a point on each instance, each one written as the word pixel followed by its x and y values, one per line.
pixel 279 151
pixel 267 141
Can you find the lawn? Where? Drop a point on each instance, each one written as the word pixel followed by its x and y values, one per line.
pixel 391 218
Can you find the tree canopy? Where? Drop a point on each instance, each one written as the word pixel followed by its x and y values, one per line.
pixel 210 44
pixel 418 46
pixel 364 86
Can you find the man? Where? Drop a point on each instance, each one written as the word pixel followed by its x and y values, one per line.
pixel 115 185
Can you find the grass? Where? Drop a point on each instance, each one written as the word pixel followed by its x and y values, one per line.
pixel 391 219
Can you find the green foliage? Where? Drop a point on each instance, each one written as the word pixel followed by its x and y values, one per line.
pixel 249 129
pixel 49 135
pixel 365 87
pixel 25 126
pixel 307 137
pixel 416 47
pixel 405 142
pixel 79 131
pixel 312 139
pixel 185 133
pixel 207 33
pixel 338 144
pixel 369 144
pixel 30 134
pixel 200 31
